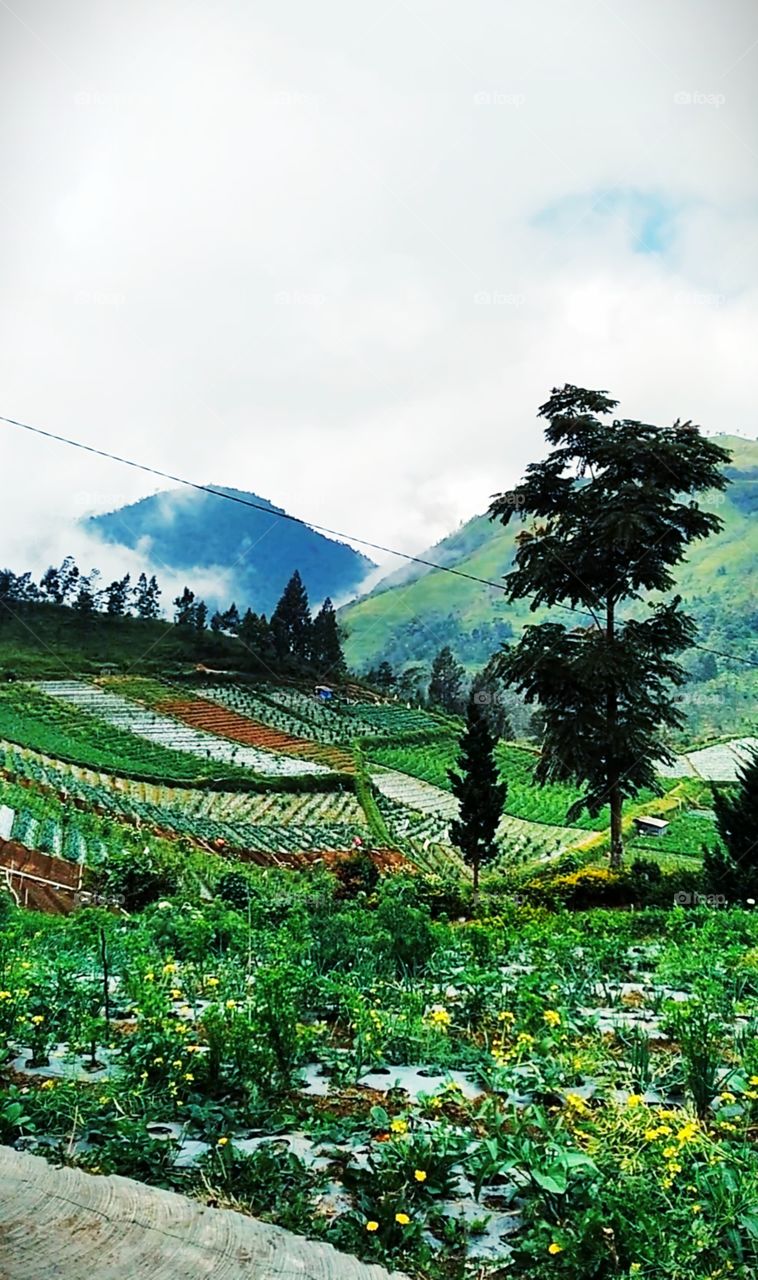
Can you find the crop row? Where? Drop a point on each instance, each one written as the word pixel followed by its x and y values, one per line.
pixel 33 719
pixel 119 712
pixel 336 721
pixel 266 823
pixel 209 717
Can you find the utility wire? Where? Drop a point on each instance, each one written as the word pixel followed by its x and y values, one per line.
pixel 309 524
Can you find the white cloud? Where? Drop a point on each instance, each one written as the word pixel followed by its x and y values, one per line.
pixel 306 249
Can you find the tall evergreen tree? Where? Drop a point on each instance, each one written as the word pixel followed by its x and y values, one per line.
pixel 382 677
pixel 446 682
pixel 117 595
pixel 86 600
pixel 479 791
pixel 184 609
pixel 612 510
pixel 488 693
pixel 200 620
pixel 326 649
pixel 146 596
pixel 734 870
pixel 291 621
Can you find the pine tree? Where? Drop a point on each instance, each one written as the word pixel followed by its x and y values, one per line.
pixel 326 649
pixel 488 693
pixel 735 871
pixel 117 596
pixel 201 616
pixel 231 619
pixel 85 603
pixel 382 677
pixel 613 508
pixel 291 621
pixel 146 597
pixel 446 681
pixel 184 609
pixel 479 791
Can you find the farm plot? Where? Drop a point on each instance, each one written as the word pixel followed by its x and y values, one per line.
pixel 720 763
pixel 222 722
pixel 416 810
pixel 33 719
pixel 480 1097
pixel 273 823
pixel 166 732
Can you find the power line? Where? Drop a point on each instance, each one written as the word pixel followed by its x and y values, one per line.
pixel 309 524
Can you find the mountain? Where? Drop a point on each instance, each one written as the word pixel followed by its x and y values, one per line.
pixel 413 612
pixel 252 553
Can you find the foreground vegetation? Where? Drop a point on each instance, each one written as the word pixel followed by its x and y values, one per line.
pixel 262 1049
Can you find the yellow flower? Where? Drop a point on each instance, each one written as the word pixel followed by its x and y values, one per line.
pixel 211 982
pixel 5 995
pixel 555 1248
pixel 231 1004
pixel 170 967
pixel 634 1100
pixel 727 1098
pixel 552 1018
pixel 176 993
pixel 399 1126
pixel 697 1208
pixel 402 1218
pixel 177 1062
pixel 37 1019
pixel 420 1175
pixel 188 1075
pixel 506 1016
pixel 222 1142
pixel 48 1084
pixel 372 1226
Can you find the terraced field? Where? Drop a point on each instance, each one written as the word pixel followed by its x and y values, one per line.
pixel 336 721
pixel 54 813
pixel 205 715
pixel 165 731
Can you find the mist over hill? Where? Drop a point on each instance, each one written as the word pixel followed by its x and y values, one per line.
pixel 253 552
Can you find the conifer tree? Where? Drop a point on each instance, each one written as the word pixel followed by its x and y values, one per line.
pixel 146 597
pixel 446 681
pixel 479 791
pixel 326 649
pixel 291 621
pixel 734 870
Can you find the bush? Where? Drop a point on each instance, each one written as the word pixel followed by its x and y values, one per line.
pixel 356 874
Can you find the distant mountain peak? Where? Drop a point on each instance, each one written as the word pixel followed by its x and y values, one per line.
pixel 188 530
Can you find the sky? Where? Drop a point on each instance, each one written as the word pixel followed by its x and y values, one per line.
pixel 339 253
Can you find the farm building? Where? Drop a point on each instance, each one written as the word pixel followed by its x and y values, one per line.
pixel 650 826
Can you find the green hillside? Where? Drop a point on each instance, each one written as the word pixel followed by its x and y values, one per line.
pixel 413 612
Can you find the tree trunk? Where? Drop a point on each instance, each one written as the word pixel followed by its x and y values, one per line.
pixel 617 843
pixel 475 869
pixel 614 791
